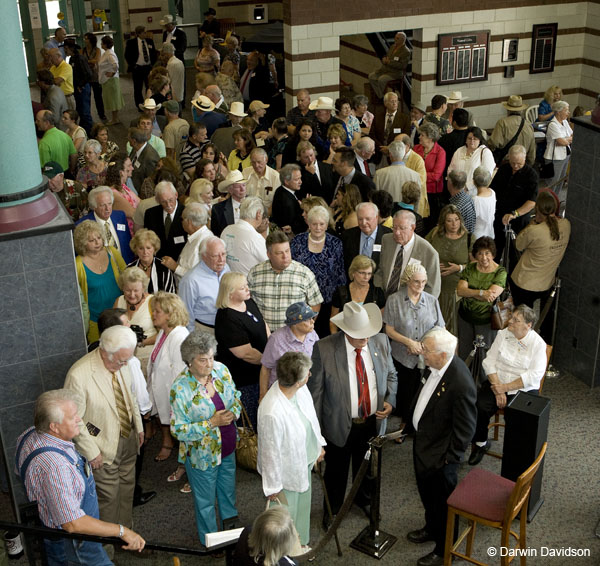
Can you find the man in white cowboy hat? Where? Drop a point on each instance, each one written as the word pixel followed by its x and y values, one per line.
pixel 392 65
pixel 172 34
pixel 457 100
pixel 203 113
pixel 353 384
pixel 323 108
pixel 158 122
pixel 506 129
pixel 228 211
pixel 223 136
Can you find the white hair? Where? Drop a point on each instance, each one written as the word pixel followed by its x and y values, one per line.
pixel 397 150
pixel 168 48
pixel 207 241
pixel 93 194
pixel 408 215
pixel 117 338
pixel 444 341
pixel 196 213
pixel 369 204
pixel 250 207
pixel 162 187
pixel 318 213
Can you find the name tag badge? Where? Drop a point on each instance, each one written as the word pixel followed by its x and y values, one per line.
pixel 260 142
pixel 377 247
pixel 136 164
pixel 396 58
pixel 121 227
pixel 397 130
pixel 179 240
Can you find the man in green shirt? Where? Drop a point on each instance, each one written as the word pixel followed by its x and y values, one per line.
pixel 56 145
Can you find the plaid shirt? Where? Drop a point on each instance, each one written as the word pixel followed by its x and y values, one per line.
pixel 464 203
pixel 274 292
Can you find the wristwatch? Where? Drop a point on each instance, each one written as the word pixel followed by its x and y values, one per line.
pixel 481 292
pixel 121 531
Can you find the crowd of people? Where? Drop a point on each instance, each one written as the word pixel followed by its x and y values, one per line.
pixel 309 268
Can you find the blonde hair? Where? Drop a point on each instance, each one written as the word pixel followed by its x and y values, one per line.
pixel 358 263
pixel 142 236
pixel 172 306
pixel 198 188
pixel 82 233
pixel 410 270
pixel 134 275
pixel 549 94
pixel 229 282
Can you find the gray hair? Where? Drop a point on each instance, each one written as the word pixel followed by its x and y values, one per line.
pixel 207 242
pixel 560 105
pixel 365 143
pixel 318 213
pixel 397 150
pixel 117 338
pixel 408 215
pixel 196 344
pixel 138 135
pixel 389 95
pixel 259 151
pixel 459 179
pixel 93 144
pixel 273 536
pixel 406 140
pixel 410 270
pixel 49 408
pixel 482 177
pixel 527 313
pixel 196 213
pixel 515 150
pixel 250 207
pixel 369 204
pixel 93 194
pixel 430 130
pixel 285 174
pixel 444 341
pixel 360 100
pixel 292 367
pixel 168 48
pixel 162 187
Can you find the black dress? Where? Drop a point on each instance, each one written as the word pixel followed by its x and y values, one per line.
pixel 342 295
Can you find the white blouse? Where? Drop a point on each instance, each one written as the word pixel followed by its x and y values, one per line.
pixel 481 157
pixel 555 131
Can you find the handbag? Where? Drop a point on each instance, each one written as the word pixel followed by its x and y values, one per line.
pixel 246 453
pixel 501 313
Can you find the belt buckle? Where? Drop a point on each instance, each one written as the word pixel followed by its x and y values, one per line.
pixel 359 420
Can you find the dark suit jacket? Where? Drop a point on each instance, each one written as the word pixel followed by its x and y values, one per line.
pixel 351 241
pixel 260 86
pixel 365 185
pixel 221 216
pixel 118 218
pixel 132 52
pixel 223 138
pixel 179 41
pixel 147 163
pixel 286 211
pixel 401 121
pixel 312 186
pixel 153 220
pixel 330 388
pixel 447 425
pixel 212 121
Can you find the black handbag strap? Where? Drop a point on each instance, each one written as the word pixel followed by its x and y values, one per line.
pixel 514 139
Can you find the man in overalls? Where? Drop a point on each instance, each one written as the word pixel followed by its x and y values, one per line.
pixel 61 481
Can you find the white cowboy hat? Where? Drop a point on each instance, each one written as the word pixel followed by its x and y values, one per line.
pixel 232 178
pixel 168 19
pixel 322 103
pixel 149 104
pixel 456 96
pixel 422 106
pixel 515 103
pixel 237 109
pixel 203 103
pixel 359 321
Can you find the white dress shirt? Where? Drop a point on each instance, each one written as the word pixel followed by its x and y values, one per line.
pixel 366 356
pixel 190 254
pixel 256 186
pixel 430 386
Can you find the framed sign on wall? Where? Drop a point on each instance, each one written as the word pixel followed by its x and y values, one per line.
pixel 543 48
pixel 463 57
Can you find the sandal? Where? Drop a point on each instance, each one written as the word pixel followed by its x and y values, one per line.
pixel 177 474
pixel 186 488
pixel 160 457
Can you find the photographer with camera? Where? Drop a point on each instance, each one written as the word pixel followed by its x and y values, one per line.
pixel 136 302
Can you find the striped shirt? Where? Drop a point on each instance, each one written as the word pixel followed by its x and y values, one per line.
pixel 274 292
pixel 51 480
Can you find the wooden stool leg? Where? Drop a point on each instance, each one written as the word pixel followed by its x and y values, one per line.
pixel 449 537
pixel 470 538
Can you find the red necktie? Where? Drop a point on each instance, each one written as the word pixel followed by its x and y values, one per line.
pixel 367 171
pixel 364 395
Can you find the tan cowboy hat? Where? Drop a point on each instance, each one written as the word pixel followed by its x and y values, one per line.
pixel 515 103
pixel 422 106
pixel 149 104
pixel 237 109
pixel 322 103
pixel 456 96
pixel 168 19
pixel 359 321
pixel 203 103
pixel 232 178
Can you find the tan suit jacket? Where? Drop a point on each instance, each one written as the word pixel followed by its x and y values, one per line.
pixel 391 179
pixel 93 382
pixel 415 162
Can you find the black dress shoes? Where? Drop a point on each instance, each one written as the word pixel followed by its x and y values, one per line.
pixel 144 498
pixel 419 536
pixel 431 559
pixel 478 452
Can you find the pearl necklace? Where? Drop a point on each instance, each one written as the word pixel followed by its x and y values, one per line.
pixel 316 241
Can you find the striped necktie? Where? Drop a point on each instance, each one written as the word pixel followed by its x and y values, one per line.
pixel 124 419
pixel 110 240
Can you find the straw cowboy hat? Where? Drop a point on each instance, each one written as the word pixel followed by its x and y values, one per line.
pixel 203 103
pixel 232 178
pixel 149 104
pixel 237 109
pixel 359 321
pixel 515 103
pixel 456 96
pixel 322 103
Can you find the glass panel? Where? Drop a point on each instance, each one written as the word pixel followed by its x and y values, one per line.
pixel 52 10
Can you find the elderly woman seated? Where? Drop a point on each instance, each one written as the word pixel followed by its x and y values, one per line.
pixel 515 362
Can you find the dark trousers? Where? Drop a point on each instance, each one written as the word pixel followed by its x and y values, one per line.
pixel 83 101
pixel 97 88
pixel 525 297
pixel 434 489
pixel 486 409
pixel 139 462
pixel 140 80
pixel 409 381
pixel 337 460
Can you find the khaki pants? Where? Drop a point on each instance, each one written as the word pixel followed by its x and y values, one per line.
pixel 204 328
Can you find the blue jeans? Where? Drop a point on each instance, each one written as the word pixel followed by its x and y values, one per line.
pixel 83 104
pixel 207 484
pixel 85 553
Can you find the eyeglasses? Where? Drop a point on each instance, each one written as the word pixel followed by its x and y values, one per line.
pixel 206 360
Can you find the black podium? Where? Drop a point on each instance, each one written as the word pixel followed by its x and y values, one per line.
pixel 526 418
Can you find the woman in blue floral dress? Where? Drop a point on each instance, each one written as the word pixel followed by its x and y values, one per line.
pixel 204 407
